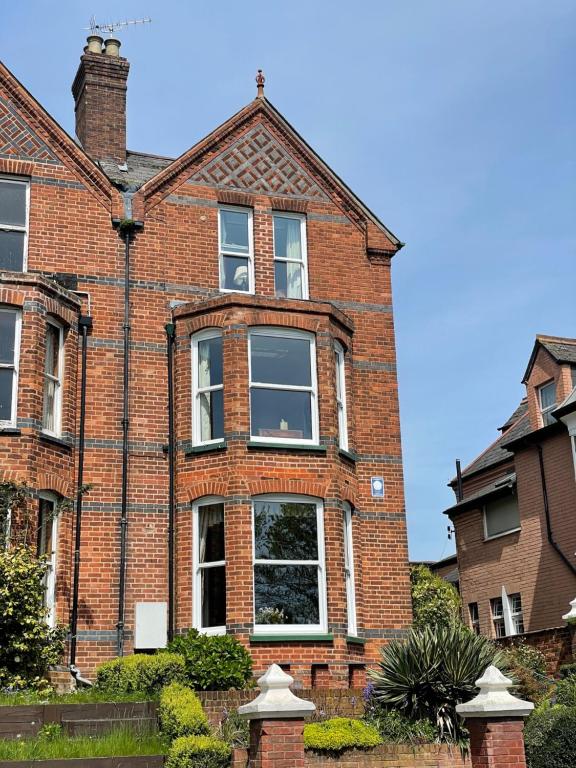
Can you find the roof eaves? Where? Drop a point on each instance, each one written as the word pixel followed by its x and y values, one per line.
pixel 500 487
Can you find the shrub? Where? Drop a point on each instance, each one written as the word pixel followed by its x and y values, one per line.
pixel 181 712
pixel 213 662
pixel 140 673
pixel 29 646
pixel 199 752
pixel 549 737
pixel 234 730
pixel 435 602
pixel 340 733
pixel 396 728
pixel 432 671
pixel 565 692
pixel 526 666
pixel 567 670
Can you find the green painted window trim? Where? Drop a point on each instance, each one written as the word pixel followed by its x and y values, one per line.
pixel 356 640
pixel 348 455
pixel 289 638
pixel 194 449
pixel 288 446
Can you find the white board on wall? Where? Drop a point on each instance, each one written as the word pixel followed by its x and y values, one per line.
pixel 151 625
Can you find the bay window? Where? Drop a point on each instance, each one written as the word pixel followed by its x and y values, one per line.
pixel 53 372
pixel 290 273
pixel 289 573
pixel 47 546
pixel 209 565
pixel 207 388
pixel 349 571
pixel 14 195
pixel 341 396
pixel 283 389
pixel 236 250
pixel 10 320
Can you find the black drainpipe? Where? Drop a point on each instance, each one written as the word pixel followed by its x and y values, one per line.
pixel 170 340
pixel 85 325
pixel 126 229
pixel 547 512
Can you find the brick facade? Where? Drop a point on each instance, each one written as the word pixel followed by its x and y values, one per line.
pixel 74 240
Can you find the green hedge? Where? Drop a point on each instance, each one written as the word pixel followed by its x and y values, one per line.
pixel 180 713
pixel 199 752
pixel 213 662
pixel 340 733
pixel 140 673
pixel 549 737
pixel 565 692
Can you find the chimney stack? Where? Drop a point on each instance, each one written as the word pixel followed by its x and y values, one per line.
pixel 99 91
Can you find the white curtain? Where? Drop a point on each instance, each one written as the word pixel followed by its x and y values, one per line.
pixel 204 381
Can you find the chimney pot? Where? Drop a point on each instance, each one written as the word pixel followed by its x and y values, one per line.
pixel 112 47
pixel 94 43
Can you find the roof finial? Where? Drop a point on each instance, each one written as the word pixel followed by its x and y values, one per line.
pixel 260 80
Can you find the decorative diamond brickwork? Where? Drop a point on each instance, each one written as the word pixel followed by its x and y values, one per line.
pixel 17 140
pixel 259 163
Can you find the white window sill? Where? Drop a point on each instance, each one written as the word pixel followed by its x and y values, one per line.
pixel 504 533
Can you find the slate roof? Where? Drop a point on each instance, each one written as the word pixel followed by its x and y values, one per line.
pixel 562 350
pixel 140 169
pixel 495 488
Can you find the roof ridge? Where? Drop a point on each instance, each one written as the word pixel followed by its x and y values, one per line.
pixel 561 339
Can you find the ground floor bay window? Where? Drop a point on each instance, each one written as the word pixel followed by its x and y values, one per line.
pixel 209 564
pixel 289 572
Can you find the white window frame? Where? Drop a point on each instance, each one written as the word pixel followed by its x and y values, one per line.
pixel 497 617
pixel 489 537
pixel 312 389
pixel 294 629
pixel 303 244
pixel 340 359
pixel 223 252
pixel 7 530
pixel 58 380
pixel 349 572
pixel 14 366
pixel 544 411
pixel 209 333
pixel 50 578
pixel 516 616
pixel 198 567
pixel 474 620
pixel 16 227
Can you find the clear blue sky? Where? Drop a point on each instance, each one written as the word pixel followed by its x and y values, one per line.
pixel 455 121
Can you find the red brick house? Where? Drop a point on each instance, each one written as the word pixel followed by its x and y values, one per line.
pixel 208 343
pixel 516 506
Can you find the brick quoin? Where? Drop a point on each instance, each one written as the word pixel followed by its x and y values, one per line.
pixel 497 743
pixel 75 265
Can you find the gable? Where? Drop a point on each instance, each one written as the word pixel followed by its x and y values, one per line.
pixel 257 162
pixel 18 141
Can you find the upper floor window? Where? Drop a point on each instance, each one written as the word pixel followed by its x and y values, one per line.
pixel 13 224
pixel 53 374
pixel 547 397
pixel 207 388
pixel 283 388
pixel 341 396
pixel 9 351
pixel 290 272
pixel 236 250
pixel 474 617
pixel 289 573
pixel 501 516
pixel 209 567
pixel 516 613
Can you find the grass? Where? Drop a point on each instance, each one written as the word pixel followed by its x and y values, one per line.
pixel 81 696
pixel 117 743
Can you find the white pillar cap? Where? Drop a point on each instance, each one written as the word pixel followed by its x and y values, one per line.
pixel 494 699
pixel 571 615
pixel 276 700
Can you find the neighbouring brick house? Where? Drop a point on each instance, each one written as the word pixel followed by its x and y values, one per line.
pixel 227 319
pixel 515 515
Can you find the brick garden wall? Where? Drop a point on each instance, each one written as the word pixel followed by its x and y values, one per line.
pixel 555 644
pixel 393 756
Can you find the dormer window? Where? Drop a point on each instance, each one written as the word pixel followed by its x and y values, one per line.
pixel 236 249
pixel 547 397
pixel 13 224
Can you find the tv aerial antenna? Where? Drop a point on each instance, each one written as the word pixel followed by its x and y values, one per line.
pixel 109 29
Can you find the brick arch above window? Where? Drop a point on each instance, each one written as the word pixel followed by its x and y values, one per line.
pixel 12 476
pixel 12 297
pixel 284 485
pixel 202 488
pixel 59 312
pixel 48 481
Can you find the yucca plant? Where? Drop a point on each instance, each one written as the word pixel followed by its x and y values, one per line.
pixel 425 676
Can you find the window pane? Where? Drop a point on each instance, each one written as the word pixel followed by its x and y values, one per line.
pixel 287 238
pixel 12 203
pixel 211 533
pixel 292 590
pixel 280 360
pixel 49 421
pixel 6 384
pixel 281 414
pixel 234 231
pixel 288 279
pixel 210 362
pixel 211 415
pixel 548 395
pixel 235 275
pixel 52 350
pixel 45 514
pixel 285 531
pixel 11 250
pixel 7 337
pixel 502 515
pixel 213 587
